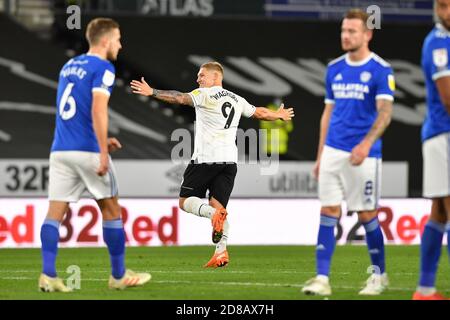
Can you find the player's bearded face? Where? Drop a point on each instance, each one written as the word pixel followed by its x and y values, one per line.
pixel 443 12
pixel 114 45
pixel 353 35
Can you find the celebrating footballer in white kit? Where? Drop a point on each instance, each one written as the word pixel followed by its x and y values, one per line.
pixel 214 162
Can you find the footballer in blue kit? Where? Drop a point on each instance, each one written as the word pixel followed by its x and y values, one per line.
pixel 78 79
pixel 354 88
pixel 435 150
pixel 358 107
pixel 79 158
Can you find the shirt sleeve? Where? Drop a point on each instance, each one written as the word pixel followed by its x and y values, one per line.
pixel 198 97
pixel 247 109
pixel 104 79
pixel 385 85
pixel 439 56
pixel 329 95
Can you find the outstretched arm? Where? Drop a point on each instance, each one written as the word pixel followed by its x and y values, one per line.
pixel 361 151
pixel 269 115
pixel 169 96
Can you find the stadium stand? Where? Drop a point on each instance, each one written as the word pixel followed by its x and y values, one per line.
pixel 287 62
pixel 29 74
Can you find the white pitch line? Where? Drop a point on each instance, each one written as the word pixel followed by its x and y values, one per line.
pixel 175 271
pixel 222 283
pixel 206 271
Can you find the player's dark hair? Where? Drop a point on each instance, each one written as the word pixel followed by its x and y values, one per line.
pixel 213 65
pixel 357 14
pixel 98 27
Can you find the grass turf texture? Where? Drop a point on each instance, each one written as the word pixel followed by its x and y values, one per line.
pixel 254 273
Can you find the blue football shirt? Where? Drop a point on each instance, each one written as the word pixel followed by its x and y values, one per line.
pixel 435 57
pixel 78 79
pixel 353 88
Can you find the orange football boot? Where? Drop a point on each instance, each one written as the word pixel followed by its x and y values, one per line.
pixel 218 260
pixel 217 221
pixel 435 296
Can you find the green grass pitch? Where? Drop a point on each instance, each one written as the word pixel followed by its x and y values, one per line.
pixel 254 273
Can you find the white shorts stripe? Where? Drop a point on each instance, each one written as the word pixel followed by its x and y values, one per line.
pixel 116 189
pixel 448 164
pixel 375 187
pixel 112 181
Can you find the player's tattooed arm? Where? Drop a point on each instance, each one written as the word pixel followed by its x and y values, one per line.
pixel 382 121
pixel 172 96
pixel 361 150
pixel 169 96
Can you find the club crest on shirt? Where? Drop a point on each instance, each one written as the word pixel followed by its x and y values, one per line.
pixel 440 57
pixel 365 76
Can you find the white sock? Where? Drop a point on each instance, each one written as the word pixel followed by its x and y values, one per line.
pixel 322 277
pixel 196 206
pixel 426 291
pixel 222 244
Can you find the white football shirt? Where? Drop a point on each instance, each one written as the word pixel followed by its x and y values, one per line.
pixel 218 112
